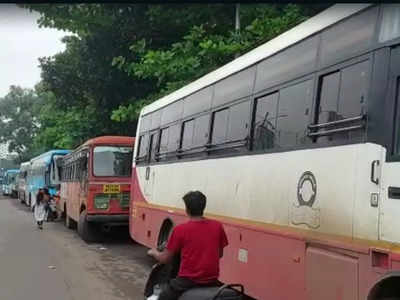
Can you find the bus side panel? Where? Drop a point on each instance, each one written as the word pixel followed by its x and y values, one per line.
pixel 73 200
pixel 266 264
pixel 63 197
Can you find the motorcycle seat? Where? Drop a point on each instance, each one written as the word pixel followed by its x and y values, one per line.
pixel 211 293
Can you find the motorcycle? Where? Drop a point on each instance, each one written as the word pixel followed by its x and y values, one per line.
pixel 161 273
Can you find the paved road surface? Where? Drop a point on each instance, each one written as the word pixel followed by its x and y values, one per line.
pixel 55 264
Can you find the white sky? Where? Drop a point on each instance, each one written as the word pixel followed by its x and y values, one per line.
pixel 22 42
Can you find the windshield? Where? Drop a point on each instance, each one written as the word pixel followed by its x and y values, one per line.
pixel 112 161
pixel 55 169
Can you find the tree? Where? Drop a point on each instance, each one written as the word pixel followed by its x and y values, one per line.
pixel 204 48
pixel 124 56
pixel 18 122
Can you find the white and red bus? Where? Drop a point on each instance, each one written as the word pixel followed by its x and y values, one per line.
pixel 95 188
pixel 296 145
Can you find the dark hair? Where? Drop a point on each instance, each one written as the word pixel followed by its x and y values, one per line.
pixel 46 191
pixel 195 203
pixel 39 198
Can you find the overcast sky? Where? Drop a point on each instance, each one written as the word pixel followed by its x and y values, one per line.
pixel 22 42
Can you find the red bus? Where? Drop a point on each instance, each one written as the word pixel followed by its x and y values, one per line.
pixel 95 187
pixel 296 145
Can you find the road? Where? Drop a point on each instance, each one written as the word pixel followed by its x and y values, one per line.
pixel 56 264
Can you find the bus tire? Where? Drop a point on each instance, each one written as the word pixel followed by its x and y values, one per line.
pixel 86 230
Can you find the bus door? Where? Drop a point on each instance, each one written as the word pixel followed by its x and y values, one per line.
pixel 151 158
pixel 390 221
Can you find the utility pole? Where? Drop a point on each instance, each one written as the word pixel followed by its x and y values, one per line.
pixel 237 17
pixel 237 22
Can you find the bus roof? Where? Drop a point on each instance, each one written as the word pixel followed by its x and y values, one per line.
pixel 25 165
pixel 107 140
pixel 46 157
pixel 313 25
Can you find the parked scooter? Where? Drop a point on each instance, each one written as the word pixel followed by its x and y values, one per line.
pixel 161 273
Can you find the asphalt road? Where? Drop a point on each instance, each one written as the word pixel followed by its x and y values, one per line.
pixel 56 264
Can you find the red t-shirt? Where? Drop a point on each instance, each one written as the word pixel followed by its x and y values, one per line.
pixel 200 243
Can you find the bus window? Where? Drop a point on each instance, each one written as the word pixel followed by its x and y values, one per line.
pixel 329 95
pixel 396 149
pixel 342 97
pixel 353 90
pixel 293 115
pixel 154 144
pixel 348 38
pixel 220 126
pixel 390 26
pixel 187 135
pixel 201 127
pixel 164 140
pixel 174 133
pixel 239 115
pixel 112 161
pixel 264 122
pixel 143 144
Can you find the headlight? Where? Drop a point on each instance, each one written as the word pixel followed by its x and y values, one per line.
pixel 101 201
pixel 125 199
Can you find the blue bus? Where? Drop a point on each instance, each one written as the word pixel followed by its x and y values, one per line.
pixel 44 172
pixel 10 182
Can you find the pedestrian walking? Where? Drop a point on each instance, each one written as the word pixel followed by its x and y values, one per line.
pixel 40 210
pixel 47 202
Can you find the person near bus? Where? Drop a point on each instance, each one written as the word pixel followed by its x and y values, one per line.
pixel 47 203
pixel 40 210
pixel 199 243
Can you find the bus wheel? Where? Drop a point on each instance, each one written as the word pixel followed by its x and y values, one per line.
pixel 86 230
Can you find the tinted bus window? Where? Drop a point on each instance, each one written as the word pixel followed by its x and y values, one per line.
pixel 348 38
pixel 264 122
pixel 187 135
pixel 143 144
pixel 294 114
pixel 145 123
pixel 396 149
pixel 353 90
pixel 112 161
pixel 342 96
pixel 201 126
pixel 234 87
pixel 239 116
pixel 287 64
pixel 197 102
pixel 155 119
pixel 329 95
pixel 220 125
pixel 174 133
pixel 390 25
pixel 164 140
pixel 172 112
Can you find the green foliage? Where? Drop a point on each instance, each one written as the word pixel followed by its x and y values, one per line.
pixel 125 56
pixel 18 123
pixel 202 50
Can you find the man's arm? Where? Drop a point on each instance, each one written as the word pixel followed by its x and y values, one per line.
pixel 163 257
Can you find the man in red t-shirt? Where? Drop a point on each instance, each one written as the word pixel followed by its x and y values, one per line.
pixel 200 243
